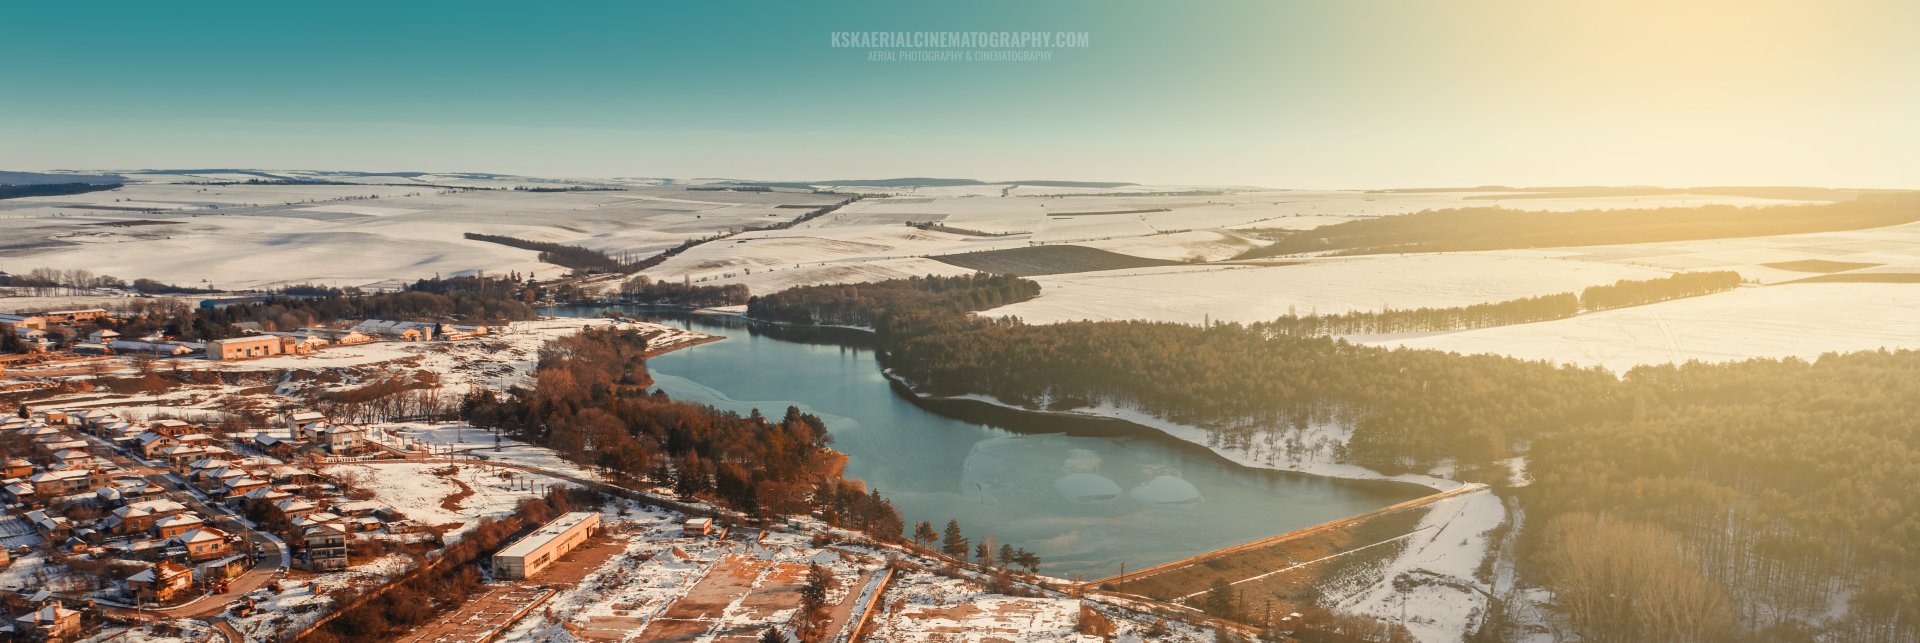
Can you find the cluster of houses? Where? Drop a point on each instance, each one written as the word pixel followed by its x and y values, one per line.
pixel 306 340
pixel 36 329
pixel 64 496
pixel 42 331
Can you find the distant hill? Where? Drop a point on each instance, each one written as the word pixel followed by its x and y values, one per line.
pixel 920 182
pixel 1592 191
pixel 43 178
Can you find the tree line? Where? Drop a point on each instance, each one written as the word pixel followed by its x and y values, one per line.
pixel 46 282
pixel 590 403
pixel 472 299
pixel 577 258
pixel 1498 228
pixel 1526 310
pixel 1717 501
pixel 1638 292
pixel 53 189
pixel 872 304
pixel 644 289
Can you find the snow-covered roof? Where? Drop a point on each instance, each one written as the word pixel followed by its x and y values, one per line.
pixel 203 534
pixel 48 614
pixel 178 520
pixel 65 474
pixel 237 483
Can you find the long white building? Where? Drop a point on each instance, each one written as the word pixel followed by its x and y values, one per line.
pixel 534 552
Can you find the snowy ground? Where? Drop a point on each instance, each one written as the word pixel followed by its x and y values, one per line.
pixel 1432 581
pixel 1795 320
pixel 496 361
pixel 630 593
pixel 421 490
pixel 1190 294
pixel 467 441
pixel 1891 249
pixel 778 259
pixel 251 236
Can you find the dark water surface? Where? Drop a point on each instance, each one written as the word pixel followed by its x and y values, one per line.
pixel 1087 495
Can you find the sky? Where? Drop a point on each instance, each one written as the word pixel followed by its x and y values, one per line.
pixel 1278 93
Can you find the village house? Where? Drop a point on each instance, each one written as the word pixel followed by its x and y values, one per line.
pixel 74 316
pixel 103 336
pixel 171 426
pixel 291 508
pixel 324 547
pixel 50 622
pixel 51 528
pixel 95 418
pixel 205 543
pixel 221 570
pixel 160 582
pixel 141 516
pixel 73 458
pixel 397 330
pixel 16 468
pixel 151 442
pixel 203 471
pixel 284 474
pixel 18 491
pixel 340 439
pixel 50 445
pixel 201 440
pixel 303 420
pixel 275 446
pixel 335 336
pixel 37 340
pixel 268 495
pixel 236 490
pixel 15 322
pixel 175 525
pixel 52 484
pixel 164 349
pixel 179 456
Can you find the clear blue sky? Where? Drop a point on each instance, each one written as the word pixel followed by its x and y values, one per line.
pixel 1330 93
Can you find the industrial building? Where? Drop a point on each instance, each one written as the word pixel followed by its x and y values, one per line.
pixel 244 347
pixel 527 556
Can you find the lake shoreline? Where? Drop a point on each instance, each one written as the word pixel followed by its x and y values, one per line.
pixel 1117 423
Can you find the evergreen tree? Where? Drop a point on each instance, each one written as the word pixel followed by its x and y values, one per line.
pixel 1218 600
pixel 924 535
pixel 955 543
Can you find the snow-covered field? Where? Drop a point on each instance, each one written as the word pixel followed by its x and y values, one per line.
pixel 1189 294
pixel 420 490
pixel 629 596
pixel 778 259
pixel 1437 565
pixel 1891 249
pixel 1793 320
pixel 256 236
